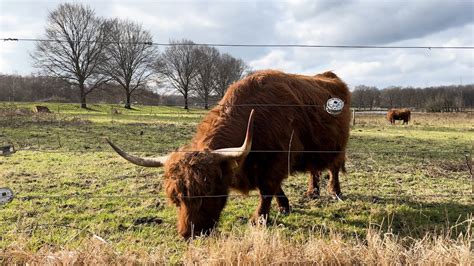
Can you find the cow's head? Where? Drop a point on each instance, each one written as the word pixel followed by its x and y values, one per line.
pixel 198 182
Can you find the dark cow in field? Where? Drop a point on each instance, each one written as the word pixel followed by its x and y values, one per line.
pixel 398 114
pixel 242 144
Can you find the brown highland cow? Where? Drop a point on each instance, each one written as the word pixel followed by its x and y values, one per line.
pixel 398 114
pixel 263 111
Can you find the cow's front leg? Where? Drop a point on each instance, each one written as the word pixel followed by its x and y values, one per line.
pixel 313 184
pixel 334 187
pixel 282 201
pixel 260 215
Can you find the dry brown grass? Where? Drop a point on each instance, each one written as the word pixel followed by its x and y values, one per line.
pixel 264 246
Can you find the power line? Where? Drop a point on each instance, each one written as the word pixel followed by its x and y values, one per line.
pixel 159 197
pixel 160 151
pixel 364 46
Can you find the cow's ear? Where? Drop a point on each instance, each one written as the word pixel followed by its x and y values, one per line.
pixel 234 165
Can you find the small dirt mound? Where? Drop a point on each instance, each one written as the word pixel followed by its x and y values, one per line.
pixel 5 112
pixel 445 168
pixel 147 220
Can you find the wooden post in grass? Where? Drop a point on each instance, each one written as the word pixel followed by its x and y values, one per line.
pixel 59 141
pixel 467 154
pixel 59 116
pixel 353 117
pixel 10 113
pixel 111 113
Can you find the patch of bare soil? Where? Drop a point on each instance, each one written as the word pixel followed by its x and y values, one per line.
pixel 8 112
pixel 444 169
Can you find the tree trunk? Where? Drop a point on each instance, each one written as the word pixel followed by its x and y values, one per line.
pixel 186 101
pixel 127 103
pixel 206 106
pixel 83 96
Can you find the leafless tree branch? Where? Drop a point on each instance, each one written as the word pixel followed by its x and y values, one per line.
pixel 79 49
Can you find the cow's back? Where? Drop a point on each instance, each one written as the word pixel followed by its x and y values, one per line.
pixel 285 102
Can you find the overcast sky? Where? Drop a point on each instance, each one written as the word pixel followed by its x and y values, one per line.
pixel 335 22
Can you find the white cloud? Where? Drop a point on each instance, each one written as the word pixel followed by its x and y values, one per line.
pixel 371 22
pixel 424 23
pixel 163 20
pixel 15 57
pixel 276 59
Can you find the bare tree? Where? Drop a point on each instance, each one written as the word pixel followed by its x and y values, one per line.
pixel 178 65
pixel 12 87
pixel 365 97
pixel 358 97
pixel 229 70
pixel 391 97
pixel 74 46
pixel 206 73
pixel 130 56
pixel 373 97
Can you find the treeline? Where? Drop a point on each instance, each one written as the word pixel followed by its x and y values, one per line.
pixel 451 98
pixel 33 88
pixel 51 89
pixel 94 54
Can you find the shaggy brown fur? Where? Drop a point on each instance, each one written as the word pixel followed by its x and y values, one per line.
pixel 199 182
pixel 194 174
pixel 398 114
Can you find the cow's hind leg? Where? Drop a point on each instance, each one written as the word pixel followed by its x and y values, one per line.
pixel 313 191
pixel 282 201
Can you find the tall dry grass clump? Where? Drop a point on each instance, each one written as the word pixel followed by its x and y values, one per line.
pixel 257 245
pixel 94 251
pixel 260 246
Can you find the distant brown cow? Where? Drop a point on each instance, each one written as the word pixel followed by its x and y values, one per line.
pixel 398 114
pixel 41 109
pixel 199 176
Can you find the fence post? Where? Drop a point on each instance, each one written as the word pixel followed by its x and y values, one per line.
pixel 353 117
pixel 11 112
pixel 467 154
pixel 111 113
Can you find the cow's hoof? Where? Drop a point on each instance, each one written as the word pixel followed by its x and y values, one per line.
pixel 312 194
pixel 261 220
pixel 284 210
pixel 338 197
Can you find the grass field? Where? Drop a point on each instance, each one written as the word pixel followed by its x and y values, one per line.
pixel 406 186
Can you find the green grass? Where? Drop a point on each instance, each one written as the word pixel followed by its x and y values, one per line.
pixel 69 183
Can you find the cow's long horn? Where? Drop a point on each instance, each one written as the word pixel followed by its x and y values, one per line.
pixel 242 151
pixel 147 162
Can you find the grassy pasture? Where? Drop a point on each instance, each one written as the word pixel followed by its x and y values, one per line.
pixel 406 180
